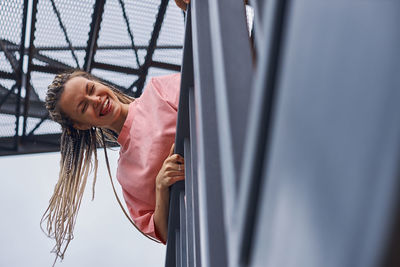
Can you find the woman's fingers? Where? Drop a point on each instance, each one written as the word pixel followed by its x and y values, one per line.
pixel 171 151
pixel 175 166
pixel 176 179
pixel 175 158
pixel 174 170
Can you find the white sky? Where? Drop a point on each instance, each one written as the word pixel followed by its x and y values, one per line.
pixel 103 236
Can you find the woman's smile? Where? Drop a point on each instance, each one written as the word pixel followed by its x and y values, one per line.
pixel 106 108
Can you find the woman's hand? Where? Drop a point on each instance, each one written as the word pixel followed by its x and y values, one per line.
pixel 172 170
pixel 182 4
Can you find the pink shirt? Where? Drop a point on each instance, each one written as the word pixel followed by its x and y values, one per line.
pixel 146 138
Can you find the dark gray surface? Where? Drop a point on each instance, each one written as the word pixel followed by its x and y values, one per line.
pixel 233 71
pixel 195 188
pixel 331 184
pixel 319 175
pixel 212 229
pixel 183 230
pixel 181 234
pixel 189 220
pixel 257 130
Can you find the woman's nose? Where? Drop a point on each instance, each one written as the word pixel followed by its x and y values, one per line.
pixel 94 100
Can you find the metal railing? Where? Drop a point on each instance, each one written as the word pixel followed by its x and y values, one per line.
pixel 183 247
pixel 291 159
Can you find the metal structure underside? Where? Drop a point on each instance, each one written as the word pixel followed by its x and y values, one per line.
pixel 291 146
pixel 122 42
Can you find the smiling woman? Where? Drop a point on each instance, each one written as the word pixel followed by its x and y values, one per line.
pixel 90 103
pixel 90 113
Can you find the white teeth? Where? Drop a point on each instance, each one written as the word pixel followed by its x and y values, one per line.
pixel 105 104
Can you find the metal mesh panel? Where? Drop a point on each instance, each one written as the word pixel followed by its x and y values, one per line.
pixel 6 83
pixel 8 100
pixel 65 56
pixel 171 35
pixel 154 72
pixel 141 16
pixel 40 81
pixel 172 56
pixel 7 125
pixel 173 27
pixel 4 64
pixel 11 20
pixel 38 62
pixel 10 33
pixel 121 79
pixel 114 31
pixel 116 40
pixel 120 57
pixel 7 119
pixel 11 17
pixel 42 127
pixel 37 111
pixel 75 16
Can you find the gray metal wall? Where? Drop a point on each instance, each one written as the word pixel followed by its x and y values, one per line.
pixel 297 150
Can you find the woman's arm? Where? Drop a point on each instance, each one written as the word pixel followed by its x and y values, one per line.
pixel 173 170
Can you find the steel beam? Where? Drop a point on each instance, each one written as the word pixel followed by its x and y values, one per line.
pixel 28 73
pixel 38 125
pixel 21 77
pixel 105 47
pixel 329 194
pixel 47 69
pixel 180 239
pixel 165 66
pixel 50 61
pixel 151 47
pixel 233 71
pixel 258 129
pixel 211 209
pixel 65 33
pixel 7 95
pixel 194 188
pixel 34 144
pixel 91 47
pixel 10 57
pixel 115 68
pixel 7 75
pixel 173 245
pixel 128 27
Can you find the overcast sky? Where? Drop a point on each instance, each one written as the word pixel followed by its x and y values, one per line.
pixel 103 236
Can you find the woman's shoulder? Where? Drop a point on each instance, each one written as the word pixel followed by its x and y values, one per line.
pixel 165 88
pixel 170 80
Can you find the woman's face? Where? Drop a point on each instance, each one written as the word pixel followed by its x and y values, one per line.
pixel 91 104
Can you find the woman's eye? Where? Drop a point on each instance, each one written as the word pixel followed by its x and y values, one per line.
pixel 84 108
pixel 91 90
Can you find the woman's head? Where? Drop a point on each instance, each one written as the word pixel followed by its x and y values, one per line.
pixel 71 101
pixel 81 101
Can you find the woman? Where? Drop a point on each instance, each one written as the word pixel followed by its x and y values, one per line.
pixel 91 113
